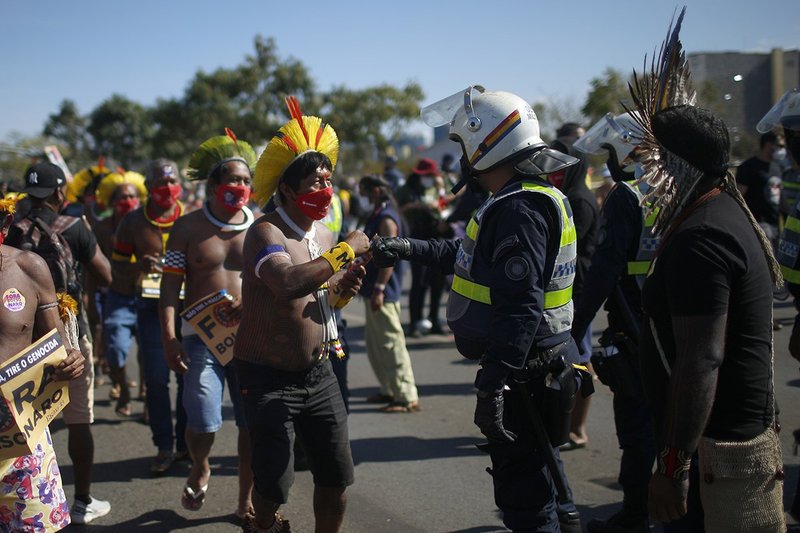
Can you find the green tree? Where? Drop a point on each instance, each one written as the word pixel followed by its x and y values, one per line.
pixel 247 98
pixel 122 129
pixel 605 95
pixel 18 154
pixel 555 111
pixel 68 127
pixel 367 120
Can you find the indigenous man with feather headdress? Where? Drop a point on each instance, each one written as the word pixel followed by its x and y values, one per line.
pixel 707 346
pixel 121 192
pixel 137 262
pixel 205 249
pixel 294 273
pixel 35 312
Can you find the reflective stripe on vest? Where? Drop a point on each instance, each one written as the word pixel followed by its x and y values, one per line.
pixel 333 220
pixel 647 242
pixel 467 283
pixel 788 250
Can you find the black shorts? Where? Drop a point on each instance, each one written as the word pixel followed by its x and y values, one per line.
pixel 277 404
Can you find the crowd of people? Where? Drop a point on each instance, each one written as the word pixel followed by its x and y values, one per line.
pixel 685 256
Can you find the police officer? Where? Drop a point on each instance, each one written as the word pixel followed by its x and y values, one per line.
pixel 621 259
pixel 786 113
pixel 510 305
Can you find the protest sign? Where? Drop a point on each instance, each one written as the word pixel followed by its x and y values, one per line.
pixel 31 397
pixel 207 318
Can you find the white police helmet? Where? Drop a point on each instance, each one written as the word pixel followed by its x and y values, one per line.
pixel 621 134
pixel 785 113
pixel 494 128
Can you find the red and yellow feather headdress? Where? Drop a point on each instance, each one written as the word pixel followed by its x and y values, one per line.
pixel 300 135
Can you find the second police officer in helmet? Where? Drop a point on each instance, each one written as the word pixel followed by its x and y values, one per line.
pixel 622 256
pixel 510 305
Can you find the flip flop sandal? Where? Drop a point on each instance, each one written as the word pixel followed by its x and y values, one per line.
pixel 400 407
pixel 123 410
pixel 572 445
pixel 191 500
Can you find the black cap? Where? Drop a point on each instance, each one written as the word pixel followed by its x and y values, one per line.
pixel 42 179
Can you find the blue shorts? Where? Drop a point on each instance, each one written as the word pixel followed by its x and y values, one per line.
pixel 203 385
pixel 119 327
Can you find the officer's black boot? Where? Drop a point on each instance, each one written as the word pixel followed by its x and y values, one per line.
pixel 632 518
pixel 570 522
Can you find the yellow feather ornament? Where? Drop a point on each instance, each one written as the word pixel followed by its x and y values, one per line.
pixel 300 135
pixel 107 186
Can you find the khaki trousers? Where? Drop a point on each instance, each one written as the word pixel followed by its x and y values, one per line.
pixel 387 353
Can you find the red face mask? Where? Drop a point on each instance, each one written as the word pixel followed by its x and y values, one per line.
pixel 557 179
pixel 166 196
pixel 125 206
pixel 233 197
pixel 315 204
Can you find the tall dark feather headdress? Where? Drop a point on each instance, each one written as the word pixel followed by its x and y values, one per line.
pixel 665 84
pixel 673 179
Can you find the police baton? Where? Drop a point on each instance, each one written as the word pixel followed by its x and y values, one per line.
pixel 541 439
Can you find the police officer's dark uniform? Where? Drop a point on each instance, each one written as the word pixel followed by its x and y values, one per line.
pixel 619 265
pixel 786 113
pixel 510 304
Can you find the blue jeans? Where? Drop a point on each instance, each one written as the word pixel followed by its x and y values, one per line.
pixel 156 377
pixel 204 384
pixel 119 327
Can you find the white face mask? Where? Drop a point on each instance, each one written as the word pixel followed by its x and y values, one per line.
pixel 779 154
pixel 426 182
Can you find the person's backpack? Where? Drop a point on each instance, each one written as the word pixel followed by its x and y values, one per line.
pixel 48 242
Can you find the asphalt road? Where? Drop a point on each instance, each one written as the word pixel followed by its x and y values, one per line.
pixel 414 472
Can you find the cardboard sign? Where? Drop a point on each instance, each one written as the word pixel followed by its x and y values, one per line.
pixel 206 316
pixel 31 397
pixel 55 157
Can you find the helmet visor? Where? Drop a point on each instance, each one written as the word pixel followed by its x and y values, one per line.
pixel 788 102
pixel 609 131
pixel 442 112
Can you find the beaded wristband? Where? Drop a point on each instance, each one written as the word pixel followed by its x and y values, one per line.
pixel 674 463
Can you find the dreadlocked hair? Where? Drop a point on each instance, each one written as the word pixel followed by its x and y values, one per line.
pixel 729 186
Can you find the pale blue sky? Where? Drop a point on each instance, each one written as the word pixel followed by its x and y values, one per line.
pixel 146 49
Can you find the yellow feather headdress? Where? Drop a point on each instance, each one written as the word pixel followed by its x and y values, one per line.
pixel 107 185
pixel 300 135
pixel 84 178
pixel 8 204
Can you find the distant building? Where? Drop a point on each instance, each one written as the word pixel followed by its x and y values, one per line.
pixel 746 85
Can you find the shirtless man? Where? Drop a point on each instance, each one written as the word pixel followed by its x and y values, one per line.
pixel 122 193
pixel 287 327
pixel 205 247
pixel 31 315
pixel 143 234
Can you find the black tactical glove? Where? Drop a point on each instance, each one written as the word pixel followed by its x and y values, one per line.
pixel 489 417
pixel 386 251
